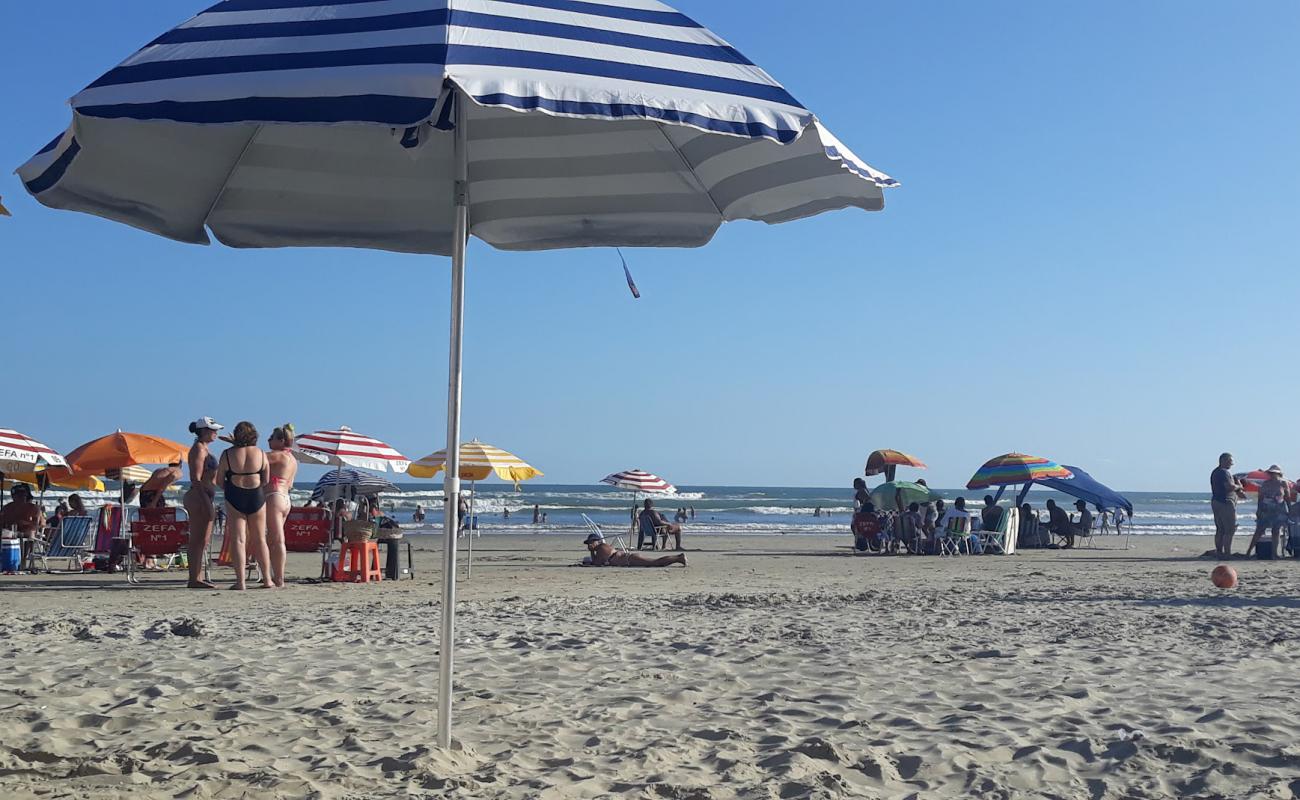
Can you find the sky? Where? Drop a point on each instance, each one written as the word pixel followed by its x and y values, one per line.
pixel 1092 257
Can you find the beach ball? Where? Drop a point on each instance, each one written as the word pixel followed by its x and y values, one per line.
pixel 1224 577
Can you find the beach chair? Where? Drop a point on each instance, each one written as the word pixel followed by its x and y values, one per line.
pixel 1086 538
pixel 592 527
pixel 1033 533
pixel 307 530
pixel 1002 539
pixel 647 527
pixel 953 537
pixel 226 557
pixel 156 534
pixel 71 540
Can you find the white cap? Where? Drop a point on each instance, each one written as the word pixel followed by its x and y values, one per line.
pixel 206 423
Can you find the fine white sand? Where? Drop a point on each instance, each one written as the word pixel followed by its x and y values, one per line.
pixel 771 667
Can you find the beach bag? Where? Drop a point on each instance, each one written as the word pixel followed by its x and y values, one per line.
pixel 358 530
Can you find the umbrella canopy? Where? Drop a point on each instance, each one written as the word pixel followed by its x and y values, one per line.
pixel 350 483
pixel 276 123
pixel 477 462
pixel 344 448
pixel 1014 468
pixel 1087 488
pixel 324 123
pixel 898 495
pixel 19 453
pixel 1250 481
pixel 118 450
pixel 59 477
pixel 882 461
pixel 636 480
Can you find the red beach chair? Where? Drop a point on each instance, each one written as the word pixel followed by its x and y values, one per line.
pixel 307 530
pixel 157 534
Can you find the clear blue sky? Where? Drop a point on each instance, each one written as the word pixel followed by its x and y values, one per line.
pixel 1092 257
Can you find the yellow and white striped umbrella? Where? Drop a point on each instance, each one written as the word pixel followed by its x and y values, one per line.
pixel 477 462
pixel 138 474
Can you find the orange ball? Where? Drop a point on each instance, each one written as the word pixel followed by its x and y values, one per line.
pixel 1224 577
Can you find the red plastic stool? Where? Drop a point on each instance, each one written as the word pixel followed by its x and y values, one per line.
pixel 359 562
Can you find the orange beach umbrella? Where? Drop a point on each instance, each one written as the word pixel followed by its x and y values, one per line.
pixel 118 450
pixel 887 460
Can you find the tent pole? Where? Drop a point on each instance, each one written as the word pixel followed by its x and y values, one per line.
pixel 1001 490
pixel 451 486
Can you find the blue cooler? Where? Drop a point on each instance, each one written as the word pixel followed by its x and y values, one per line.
pixel 11 555
pixel 1264 549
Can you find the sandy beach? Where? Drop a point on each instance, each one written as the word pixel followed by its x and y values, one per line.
pixel 771 667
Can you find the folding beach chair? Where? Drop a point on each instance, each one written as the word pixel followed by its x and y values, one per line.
pixel 1002 539
pixel 1083 538
pixel 71 540
pixel 592 527
pixel 307 530
pixel 156 534
pixel 953 537
pixel 226 556
pixel 645 526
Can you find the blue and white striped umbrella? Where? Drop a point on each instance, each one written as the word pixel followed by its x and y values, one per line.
pixel 410 125
pixel 699 134
pixel 350 483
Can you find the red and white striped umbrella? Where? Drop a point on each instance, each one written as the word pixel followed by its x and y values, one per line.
pixel 344 448
pixel 636 480
pixel 19 453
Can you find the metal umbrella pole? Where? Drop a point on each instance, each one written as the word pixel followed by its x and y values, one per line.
pixel 451 485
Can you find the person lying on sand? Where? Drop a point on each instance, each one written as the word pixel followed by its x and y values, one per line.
pixel 604 555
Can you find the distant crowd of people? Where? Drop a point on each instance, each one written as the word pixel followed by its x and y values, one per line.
pixel 919 528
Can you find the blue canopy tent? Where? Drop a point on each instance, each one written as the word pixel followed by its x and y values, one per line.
pixel 1089 489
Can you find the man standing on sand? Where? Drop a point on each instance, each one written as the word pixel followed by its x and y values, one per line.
pixel 1225 491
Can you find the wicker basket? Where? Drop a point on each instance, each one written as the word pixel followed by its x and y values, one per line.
pixel 358 531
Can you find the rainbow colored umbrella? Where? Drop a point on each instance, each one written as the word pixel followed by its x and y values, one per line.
pixel 1014 468
pixel 886 461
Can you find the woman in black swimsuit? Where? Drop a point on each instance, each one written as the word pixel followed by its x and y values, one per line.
pixel 198 499
pixel 244 474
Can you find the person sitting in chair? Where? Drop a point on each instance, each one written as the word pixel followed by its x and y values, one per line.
pixel 1059 524
pixel 990 515
pixel 867 526
pixel 603 554
pixel 22 515
pixel 650 522
pixel 1083 527
pixel 914 534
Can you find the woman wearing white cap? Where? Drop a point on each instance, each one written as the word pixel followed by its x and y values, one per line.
pixel 199 498
pixel 1271 511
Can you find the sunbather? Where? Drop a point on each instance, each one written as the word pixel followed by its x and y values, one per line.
pixel 604 555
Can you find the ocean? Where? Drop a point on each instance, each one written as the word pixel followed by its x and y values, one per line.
pixel 755 510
